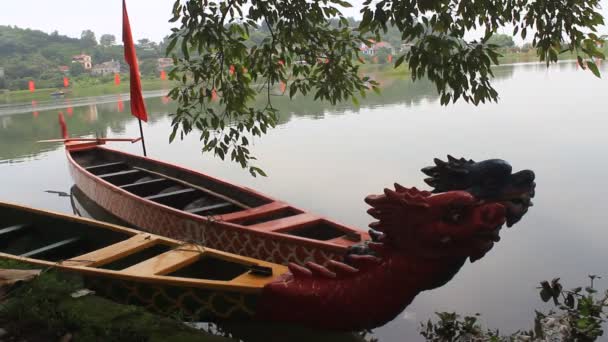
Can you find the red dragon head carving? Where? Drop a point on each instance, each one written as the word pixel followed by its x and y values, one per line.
pixel 423 241
pixel 453 224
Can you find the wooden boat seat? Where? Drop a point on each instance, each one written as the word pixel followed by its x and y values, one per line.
pixel 197 187
pixel 201 210
pixel 113 252
pixel 169 194
pixel 130 186
pixel 254 212
pixel 50 247
pixel 285 223
pixel 107 167
pixel 13 229
pixel 166 262
pixel 93 167
pixel 119 173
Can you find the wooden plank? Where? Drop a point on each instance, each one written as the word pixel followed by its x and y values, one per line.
pixel 49 247
pixel 198 211
pixel 128 186
pixel 166 262
pixel 286 222
pixel 89 168
pixel 120 173
pixel 169 194
pixel 190 185
pixel 254 212
pixel 12 229
pixel 113 252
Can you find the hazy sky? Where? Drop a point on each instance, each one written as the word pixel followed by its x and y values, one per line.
pixel 149 18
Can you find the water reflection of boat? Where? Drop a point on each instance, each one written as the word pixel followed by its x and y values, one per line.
pixel 171 201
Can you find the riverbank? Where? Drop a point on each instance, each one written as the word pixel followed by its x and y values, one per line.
pixel 77 90
pixel 82 90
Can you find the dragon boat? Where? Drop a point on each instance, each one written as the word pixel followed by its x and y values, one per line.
pixel 183 204
pixel 420 241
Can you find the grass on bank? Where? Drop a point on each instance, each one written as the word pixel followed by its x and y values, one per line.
pixel 43 310
pixel 81 90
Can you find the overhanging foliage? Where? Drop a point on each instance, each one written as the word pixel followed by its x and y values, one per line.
pixel 219 75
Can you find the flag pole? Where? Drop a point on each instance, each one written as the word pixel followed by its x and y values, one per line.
pixel 138 106
pixel 141 134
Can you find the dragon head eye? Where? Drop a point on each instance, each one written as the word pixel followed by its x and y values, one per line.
pixel 454 213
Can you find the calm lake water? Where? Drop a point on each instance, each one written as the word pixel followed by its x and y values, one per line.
pixel 328 158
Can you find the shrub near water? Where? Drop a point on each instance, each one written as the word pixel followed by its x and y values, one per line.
pixel 579 316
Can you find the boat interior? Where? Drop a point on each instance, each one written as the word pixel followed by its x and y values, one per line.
pixel 207 197
pixel 79 243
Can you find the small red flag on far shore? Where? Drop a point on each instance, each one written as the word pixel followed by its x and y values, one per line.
pixel 138 107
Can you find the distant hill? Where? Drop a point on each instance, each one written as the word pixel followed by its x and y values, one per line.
pixel 27 54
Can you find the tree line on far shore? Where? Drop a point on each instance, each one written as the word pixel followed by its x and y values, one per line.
pixel 27 54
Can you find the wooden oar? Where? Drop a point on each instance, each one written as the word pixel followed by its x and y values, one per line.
pixel 131 140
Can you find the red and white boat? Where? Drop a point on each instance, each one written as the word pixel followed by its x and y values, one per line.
pixel 184 204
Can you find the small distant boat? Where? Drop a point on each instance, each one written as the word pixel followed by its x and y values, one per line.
pixel 175 202
pixel 58 93
pixel 129 266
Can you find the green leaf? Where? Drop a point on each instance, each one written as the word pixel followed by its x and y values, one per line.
pixel 594 69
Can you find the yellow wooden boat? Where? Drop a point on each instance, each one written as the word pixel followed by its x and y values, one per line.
pixel 129 266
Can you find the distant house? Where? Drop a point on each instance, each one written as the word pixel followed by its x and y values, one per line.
pixel 83 59
pixel 164 63
pixel 373 49
pixel 106 68
pixel 64 69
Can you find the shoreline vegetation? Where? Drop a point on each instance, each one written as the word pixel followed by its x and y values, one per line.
pixel 98 88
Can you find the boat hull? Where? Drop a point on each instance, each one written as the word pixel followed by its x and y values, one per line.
pixel 189 303
pixel 165 221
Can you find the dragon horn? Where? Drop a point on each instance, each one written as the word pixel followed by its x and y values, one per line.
pixel 429 170
pixel 320 270
pixel 298 270
pixel 400 188
pixel 439 162
pixel 451 159
pixel 341 268
pixel 379 226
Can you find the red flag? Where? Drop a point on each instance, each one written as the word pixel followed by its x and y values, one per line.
pixel 64 128
pixel 163 75
pixel 32 86
pixel 117 79
pixel 66 82
pixel 138 107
